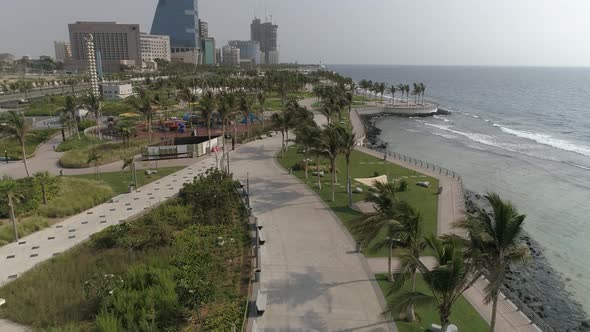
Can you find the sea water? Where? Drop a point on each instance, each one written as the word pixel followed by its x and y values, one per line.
pixel 521 132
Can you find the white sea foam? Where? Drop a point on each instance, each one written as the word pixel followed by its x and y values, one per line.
pixel 441 118
pixel 475 116
pixel 479 138
pixel 548 140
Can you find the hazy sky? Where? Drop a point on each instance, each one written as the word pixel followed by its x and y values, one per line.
pixel 414 32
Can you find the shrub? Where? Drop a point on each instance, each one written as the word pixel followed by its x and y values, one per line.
pixel 376 174
pixel 108 322
pixel 108 152
pixel 85 124
pixel 74 143
pixel 27 195
pixel 25 227
pixel 403 186
pixel 225 316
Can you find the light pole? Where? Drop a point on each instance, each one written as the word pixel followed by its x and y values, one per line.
pixel 6 156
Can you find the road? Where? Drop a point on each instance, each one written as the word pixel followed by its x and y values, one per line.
pixel 313 279
pixel 15 97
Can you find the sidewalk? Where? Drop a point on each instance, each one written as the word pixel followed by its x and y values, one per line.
pixel 313 279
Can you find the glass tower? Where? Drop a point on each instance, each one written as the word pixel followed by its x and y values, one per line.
pixel 178 19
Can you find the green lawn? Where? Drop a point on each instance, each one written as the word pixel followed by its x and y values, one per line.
pixel 119 181
pixel 463 315
pixel 33 140
pixel 109 152
pixel 73 143
pixel 424 200
pixel 47 106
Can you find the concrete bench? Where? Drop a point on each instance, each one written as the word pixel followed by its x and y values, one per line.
pixel 437 328
pixel 260 302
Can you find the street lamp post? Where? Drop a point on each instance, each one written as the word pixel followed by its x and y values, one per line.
pixel 6 156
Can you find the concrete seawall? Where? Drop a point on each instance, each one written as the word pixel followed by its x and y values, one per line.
pixel 426 110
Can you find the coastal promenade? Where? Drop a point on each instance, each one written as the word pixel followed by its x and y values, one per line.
pixel 311 275
pixel 451 207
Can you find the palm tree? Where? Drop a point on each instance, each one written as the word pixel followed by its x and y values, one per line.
pixel 17 127
pixel 348 145
pixel 496 242
pixel 279 122
pixel 453 275
pixel 10 189
pixel 94 105
pixel 422 90
pixel 69 111
pixel 95 158
pixel 207 107
pixel 402 88
pixel 246 103
pixel 411 237
pixel 392 89
pixel 261 97
pixel 130 163
pixel 382 195
pixel 43 179
pixel 307 135
pixel 380 88
pixel 327 110
pixel 144 103
pixel 331 145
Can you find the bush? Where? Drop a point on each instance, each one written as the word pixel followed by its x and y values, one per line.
pixel 74 143
pixel 27 193
pixel 74 196
pixel 403 186
pixel 108 153
pixel 85 124
pixel 225 316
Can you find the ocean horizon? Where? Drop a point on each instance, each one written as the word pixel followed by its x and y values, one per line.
pixel 523 132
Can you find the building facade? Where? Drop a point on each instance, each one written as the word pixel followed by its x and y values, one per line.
pixel 266 34
pixel 63 51
pixel 249 50
pixel 272 58
pixel 154 47
pixel 116 91
pixel 116 45
pixel 203 29
pixel 231 56
pixel 178 19
pixel 208 51
pixel 218 56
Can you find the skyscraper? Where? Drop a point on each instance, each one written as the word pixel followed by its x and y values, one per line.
pixel 178 19
pixel 266 34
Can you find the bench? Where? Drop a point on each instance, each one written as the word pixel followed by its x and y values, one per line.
pixel 2 302
pixel 260 302
pixel 261 237
pixel 437 328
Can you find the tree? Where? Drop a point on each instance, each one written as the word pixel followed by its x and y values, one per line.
pixel 453 275
pixel 380 88
pixel 95 158
pixel 261 97
pixel 331 145
pixel 69 112
pixel 207 107
pixel 422 90
pixel 382 195
pixel 411 237
pixel 307 135
pixel 144 103
pixel 11 190
pixel 17 127
pixel 246 103
pixel 94 105
pixel 45 181
pixel 348 145
pixel 495 242
pixel 402 88
pixel 279 122
pixel 392 89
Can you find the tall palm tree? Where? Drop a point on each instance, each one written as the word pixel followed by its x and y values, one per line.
pixel 380 88
pixel 496 241
pixel 17 127
pixel 347 147
pixel 95 158
pixel 207 107
pixel 453 275
pixel 422 90
pixel 145 103
pixel 384 219
pixel 392 89
pixel 69 110
pixel 246 104
pixel 416 92
pixel 279 122
pixel 44 180
pixel 307 135
pixel 402 88
pixel 412 238
pixel 331 145
pixel 261 97
pixel 94 105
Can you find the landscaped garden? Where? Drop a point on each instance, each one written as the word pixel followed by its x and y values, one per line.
pixel 33 139
pixel 88 153
pixel 182 267
pixel 424 200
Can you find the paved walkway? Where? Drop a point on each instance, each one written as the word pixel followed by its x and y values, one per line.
pixel 46 159
pixel 313 279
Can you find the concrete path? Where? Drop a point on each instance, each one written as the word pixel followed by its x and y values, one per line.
pixel 313 279
pixel 46 159
pixel 17 258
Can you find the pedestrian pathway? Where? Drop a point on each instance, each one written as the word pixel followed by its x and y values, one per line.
pixel 17 258
pixel 311 275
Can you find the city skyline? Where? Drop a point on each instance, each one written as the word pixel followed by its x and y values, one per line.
pixel 499 33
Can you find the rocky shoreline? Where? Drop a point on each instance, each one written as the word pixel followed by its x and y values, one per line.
pixel 535 287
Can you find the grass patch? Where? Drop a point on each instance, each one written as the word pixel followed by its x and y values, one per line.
pixel 363 165
pixel 119 181
pixel 33 140
pixel 47 106
pixel 73 143
pixel 24 226
pixel 108 152
pixel 116 107
pixel 75 195
pixel 463 314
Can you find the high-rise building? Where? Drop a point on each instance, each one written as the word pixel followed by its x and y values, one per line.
pixel 249 50
pixel 266 34
pixel 203 29
pixel 208 51
pixel 63 51
pixel 154 47
pixel 218 56
pixel 231 56
pixel 179 19
pixel 115 44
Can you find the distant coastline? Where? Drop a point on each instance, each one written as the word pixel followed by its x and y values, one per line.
pixel 537 285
